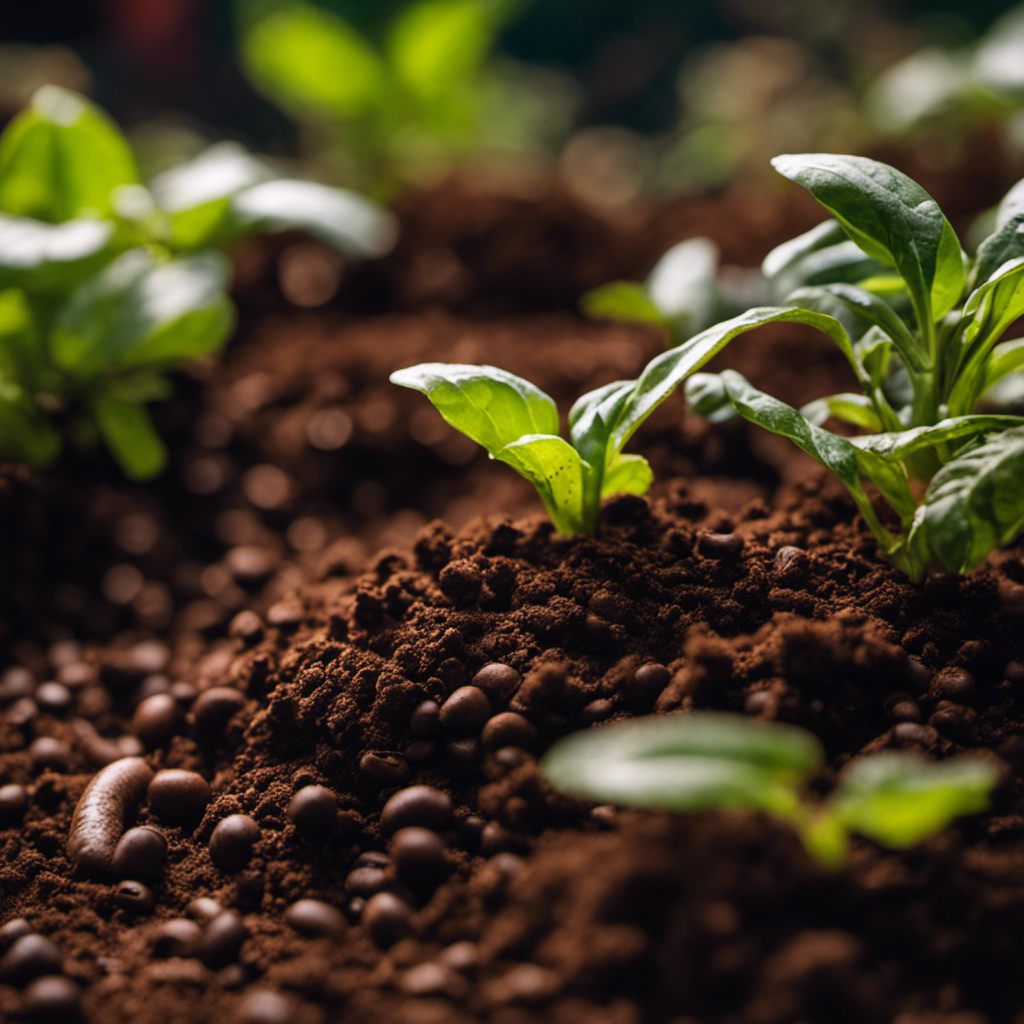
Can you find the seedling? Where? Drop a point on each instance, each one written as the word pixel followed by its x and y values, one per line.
pixel 105 284
pixel 921 330
pixel 518 424
pixel 712 761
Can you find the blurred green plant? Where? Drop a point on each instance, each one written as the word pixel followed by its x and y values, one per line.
pixel 429 95
pixel 106 284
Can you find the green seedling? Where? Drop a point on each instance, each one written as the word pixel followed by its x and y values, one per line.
pixel 921 325
pixel 518 424
pixel 106 284
pixel 712 761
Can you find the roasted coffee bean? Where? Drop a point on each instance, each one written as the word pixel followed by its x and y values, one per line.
pixel 956 684
pixel 465 712
pixel 15 683
pixel 21 713
pixel 30 957
pixel 920 676
pixel 463 754
pixel 315 919
pixel 498 681
pixel 313 810
pixel 387 919
pixel 419 856
pixel 215 707
pixel 954 720
pixel 232 841
pixel 720 545
pixel 203 908
pixel 651 679
pixel 1014 672
pixel 13 930
pixel 265 1006
pixel 140 854
pixel 385 769
pixel 50 753
pixel 509 729
pixel 419 751
pixel 286 614
pixel 432 979
pixel 157 720
pixel 909 734
pixel 416 805
pixel 246 626
pixel 791 563
pixel 13 801
pixel 134 896
pixel 597 711
pixel 53 698
pixel 177 937
pixel 426 719
pixel 905 711
pixel 222 939
pixel 758 702
pixel 178 797
pixel 460 956
pixel 53 999
pixel 367 880
pixel 373 859
pixel 184 693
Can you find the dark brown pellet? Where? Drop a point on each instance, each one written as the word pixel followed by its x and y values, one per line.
pixel 956 684
pixel 215 707
pixel 460 956
pixel 416 805
pixel 203 908
pixel 911 734
pixel 232 841
pixel 498 681
pixel 1014 672
pixel 157 720
pixel 597 711
pixel 246 626
pixel 53 698
pixel 385 769
pixel 286 614
pixel 313 810
pixel 651 679
pixel 419 856
pixel 30 957
pixel 134 897
pixel 367 880
pixel 51 753
pixel 15 683
pixel 140 854
pixel 265 1006
pixel 509 729
pixel 52 1000
pixel 465 712
pixel 720 545
pixel 222 939
pixel 905 711
pixel 426 719
pixel 177 937
pixel 387 919
pixel 13 801
pixel 21 712
pixel 315 919
pixel 13 930
pixel 178 797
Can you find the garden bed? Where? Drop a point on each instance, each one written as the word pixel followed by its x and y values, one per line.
pixel 288 555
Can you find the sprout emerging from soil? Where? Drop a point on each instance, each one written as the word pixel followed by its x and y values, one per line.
pixel 709 761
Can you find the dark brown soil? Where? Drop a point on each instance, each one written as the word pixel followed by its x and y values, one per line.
pixel 302 490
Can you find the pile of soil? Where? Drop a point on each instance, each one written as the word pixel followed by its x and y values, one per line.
pixel 279 615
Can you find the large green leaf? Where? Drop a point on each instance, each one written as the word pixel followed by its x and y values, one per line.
pixel 1006 358
pixel 897 446
pixel 38 256
pixel 491 406
pixel 141 311
pixel 891 218
pixel 899 799
pixel 61 159
pixel 129 433
pixel 310 61
pixel 994 305
pixel 686 762
pixel 554 467
pixel 974 504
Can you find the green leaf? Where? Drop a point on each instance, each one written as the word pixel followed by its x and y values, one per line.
pixel 622 300
pixel 974 504
pixel 1005 359
pixel 787 255
pixel 994 305
pixel 686 762
pixel 142 312
pixel 491 406
pixel 899 799
pixel 666 371
pixel 22 354
pixel 891 218
pixel 310 61
pixel 352 224
pixel 129 433
pixel 898 446
pixel 435 46
pixel 683 285
pixel 707 397
pixel 62 159
pixel 848 407
pixel 554 467
pixel 628 474
pixel 43 257
pixel 1007 241
pixel 25 436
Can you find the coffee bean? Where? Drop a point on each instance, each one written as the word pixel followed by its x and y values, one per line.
pixel 232 841
pixel 13 930
pixel 387 919
pixel 53 698
pixel 956 684
pixel 184 693
pixel 265 1006
pixel 15 683
pixel 460 956
pixel 373 859
pixel 177 937
pixel 313 810
pixel 911 734
pixel 426 719
pixel 203 908
pixel 178 797
pixel 315 919
pixel 526 983
pixel 50 753
pixel 222 939
pixel 954 720
pixel 463 754
pixel 151 686
pixel 157 720
pixel 419 751
pixel 385 769
pixel 215 707
pixel 605 815
pixel 419 856
pixel 53 999
pixel 597 711
pixel 140 854
pixel 367 880
pixel 416 805
pixel 286 614
pixel 134 897
pixel 905 711
pixel 920 676
pixel 246 626
pixel 1014 672
pixel 791 563
pixel 509 729
pixel 651 679
pixel 13 801
pixel 465 711
pixel 21 713
pixel 30 957
pixel 498 681
pixel 720 545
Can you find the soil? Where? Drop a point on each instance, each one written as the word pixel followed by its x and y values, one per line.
pixel 331 554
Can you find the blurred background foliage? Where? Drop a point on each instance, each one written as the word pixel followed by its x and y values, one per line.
pixel 652 96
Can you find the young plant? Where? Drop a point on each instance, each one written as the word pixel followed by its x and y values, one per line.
pixel 920 324
pixel 712 761
pixel 106 284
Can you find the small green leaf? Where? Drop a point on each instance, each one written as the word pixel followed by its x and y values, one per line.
pixel 895 447
pixel 43 257
pixel 310 61
pixel 848 407
pixel 62 159
pixel 622 300
pixel 683 285
pixel 491 406
pixel 687 762
pixel 900 799
pixel 628 474
pixel 891 218
pixel 130 435
pixel 355 226
pixel 994 305
pixel 974 504
pixel 707 397
pixel 787 255
pixel 554 467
